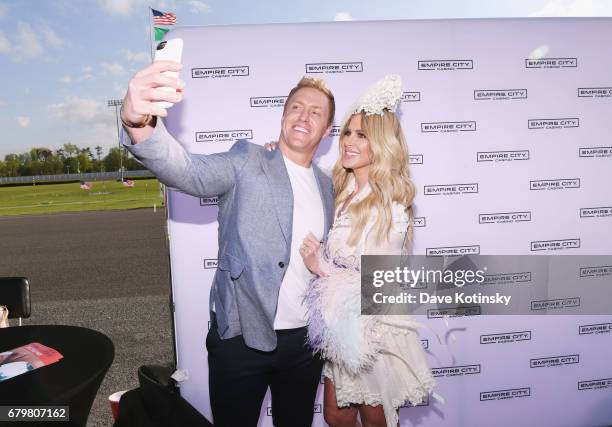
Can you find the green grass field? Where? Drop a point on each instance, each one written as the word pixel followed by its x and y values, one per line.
pixel 53 198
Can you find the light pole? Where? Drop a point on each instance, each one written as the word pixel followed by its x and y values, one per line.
pixel 117 103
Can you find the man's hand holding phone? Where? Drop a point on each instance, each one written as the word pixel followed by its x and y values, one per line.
pixel 151 90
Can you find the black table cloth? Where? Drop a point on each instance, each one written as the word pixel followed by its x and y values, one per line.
pixel 73 381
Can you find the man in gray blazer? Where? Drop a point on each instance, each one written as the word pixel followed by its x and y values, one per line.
pixel 268 202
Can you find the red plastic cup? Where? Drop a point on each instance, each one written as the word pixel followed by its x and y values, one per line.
pixel 114 399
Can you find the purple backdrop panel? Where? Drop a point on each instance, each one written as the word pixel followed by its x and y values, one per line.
pixel 508 125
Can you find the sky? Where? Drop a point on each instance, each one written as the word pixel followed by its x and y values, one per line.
pixel 61 60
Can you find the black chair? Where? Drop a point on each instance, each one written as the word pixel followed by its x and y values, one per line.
pixel 157 402
pixel 15 295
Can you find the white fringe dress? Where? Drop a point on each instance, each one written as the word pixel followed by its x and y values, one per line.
pixel 372 360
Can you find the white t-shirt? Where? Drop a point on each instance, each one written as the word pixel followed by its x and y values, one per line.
pixel 308 216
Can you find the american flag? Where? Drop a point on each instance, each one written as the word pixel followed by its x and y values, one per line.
pixel 163 18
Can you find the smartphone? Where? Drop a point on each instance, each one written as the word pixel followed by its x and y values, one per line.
pixel 171 50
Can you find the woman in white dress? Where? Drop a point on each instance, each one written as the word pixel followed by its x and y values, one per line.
pixel 374 364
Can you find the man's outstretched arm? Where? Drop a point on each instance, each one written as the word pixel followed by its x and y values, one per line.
pixel 148 140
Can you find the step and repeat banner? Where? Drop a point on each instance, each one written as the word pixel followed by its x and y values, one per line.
pixel 508 124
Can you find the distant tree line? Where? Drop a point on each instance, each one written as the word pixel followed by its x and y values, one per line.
pixel 68 159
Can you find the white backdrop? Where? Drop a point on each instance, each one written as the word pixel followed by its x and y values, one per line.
pixel 508 123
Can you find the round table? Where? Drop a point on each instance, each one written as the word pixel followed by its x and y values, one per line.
pixel 73 381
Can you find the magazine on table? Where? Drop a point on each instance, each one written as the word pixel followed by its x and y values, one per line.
pixel 26 358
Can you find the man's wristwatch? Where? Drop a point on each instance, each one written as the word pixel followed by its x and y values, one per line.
pixel 148 119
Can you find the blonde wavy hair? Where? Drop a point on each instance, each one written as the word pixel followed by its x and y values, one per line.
pixel 388 176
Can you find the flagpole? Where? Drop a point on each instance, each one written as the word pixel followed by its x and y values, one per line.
pixel 150 32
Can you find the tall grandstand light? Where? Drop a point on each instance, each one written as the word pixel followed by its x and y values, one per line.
pixel 117 103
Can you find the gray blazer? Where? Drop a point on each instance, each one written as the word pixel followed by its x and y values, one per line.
pixel 255 223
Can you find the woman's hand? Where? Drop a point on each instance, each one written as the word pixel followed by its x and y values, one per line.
pixel 310 254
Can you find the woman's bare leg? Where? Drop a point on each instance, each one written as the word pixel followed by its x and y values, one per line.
pixel 334 416
pixel 372 416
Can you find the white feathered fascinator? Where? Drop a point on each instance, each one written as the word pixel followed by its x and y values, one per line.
pixel 383 95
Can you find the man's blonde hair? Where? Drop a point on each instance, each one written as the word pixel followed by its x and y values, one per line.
pixel 318 84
